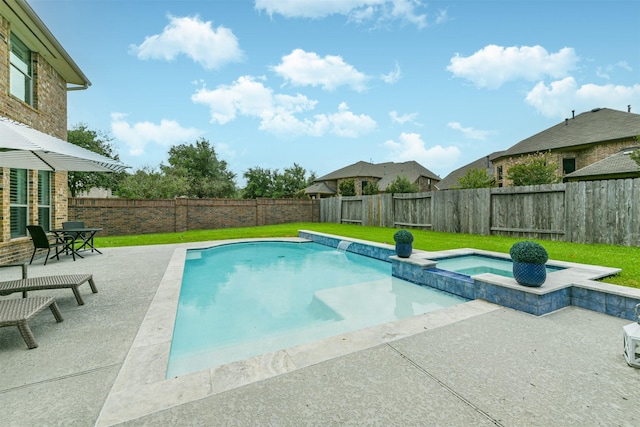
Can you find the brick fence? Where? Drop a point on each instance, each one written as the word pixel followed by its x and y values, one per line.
pixel 119 217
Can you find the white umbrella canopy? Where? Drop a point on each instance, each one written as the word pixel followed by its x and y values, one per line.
pixel 22 147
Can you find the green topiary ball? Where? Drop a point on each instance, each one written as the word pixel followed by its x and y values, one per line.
pixel 529 252
pixel 403 236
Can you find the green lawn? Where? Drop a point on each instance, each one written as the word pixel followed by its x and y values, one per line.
pixel 626 258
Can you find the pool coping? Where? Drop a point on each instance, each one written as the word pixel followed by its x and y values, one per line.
pixel 141 387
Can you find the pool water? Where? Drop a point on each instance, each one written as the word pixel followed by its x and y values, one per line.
pixel 245 299
pixel 470 265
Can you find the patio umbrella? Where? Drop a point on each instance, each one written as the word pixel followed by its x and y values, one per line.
pixel 22 147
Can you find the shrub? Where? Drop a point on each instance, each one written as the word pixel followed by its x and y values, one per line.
pixel 529 252
pixel 403 236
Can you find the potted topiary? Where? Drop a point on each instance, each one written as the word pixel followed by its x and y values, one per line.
pixel 529 259
pixel 404 240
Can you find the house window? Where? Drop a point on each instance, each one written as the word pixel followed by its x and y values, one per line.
pixel 44 199
pixel 568 165
pixel 21 77
pixel 19 208
pixel 499 173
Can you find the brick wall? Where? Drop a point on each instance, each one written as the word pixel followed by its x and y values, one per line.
pixel 48 114
pixel 119 217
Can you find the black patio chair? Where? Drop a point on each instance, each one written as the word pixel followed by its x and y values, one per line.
pixel 41 241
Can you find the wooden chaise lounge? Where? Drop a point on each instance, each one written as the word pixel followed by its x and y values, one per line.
pixel 24 285
pixel 18 312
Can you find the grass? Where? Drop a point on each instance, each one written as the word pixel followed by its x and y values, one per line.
pixel 624 257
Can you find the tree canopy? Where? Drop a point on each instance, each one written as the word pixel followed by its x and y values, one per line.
pixel 536 169
pixel 147 183
pixel 635 156
pixel 476 178
pixel 266 183
pixel 347 187
pixel 99 143
pixel 206 176
pixel 402 185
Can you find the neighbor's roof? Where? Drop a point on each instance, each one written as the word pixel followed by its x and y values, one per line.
pixel 620 163
pixel 597 125
pixel 386 172
pixel 319 188
pixel 450 181
pixel 31 30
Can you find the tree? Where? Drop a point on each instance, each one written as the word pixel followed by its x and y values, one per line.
pixel 536 169
pixel 292 182
pixel 99 143
pixel 207 177
pixel 635 156
pixel 266 183
pixel 147 183
pixel 347 187
pixel 259 183
pixel 402 185
pixel 370 189
pixel 476 178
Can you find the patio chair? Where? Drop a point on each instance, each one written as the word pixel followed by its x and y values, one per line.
pixel 18 312
pixel 41 241
pixel 24 285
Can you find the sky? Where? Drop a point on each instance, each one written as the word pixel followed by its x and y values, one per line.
pixel 327 83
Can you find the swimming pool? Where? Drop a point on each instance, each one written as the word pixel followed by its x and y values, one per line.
pixel 244 299
pixel 470 265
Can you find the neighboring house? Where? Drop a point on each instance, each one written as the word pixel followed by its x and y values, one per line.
pixel 575 143
pixel 450 182
pixel 364 173
pixel 35 75
pixel 617 166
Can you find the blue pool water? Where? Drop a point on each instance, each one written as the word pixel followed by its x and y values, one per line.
pixel 245 299
pixel 471 265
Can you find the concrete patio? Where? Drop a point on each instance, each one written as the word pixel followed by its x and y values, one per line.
pixel 472 364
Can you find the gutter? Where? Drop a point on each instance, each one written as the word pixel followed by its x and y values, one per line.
pixel 31 14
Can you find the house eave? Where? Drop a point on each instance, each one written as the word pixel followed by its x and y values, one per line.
pixel 32 31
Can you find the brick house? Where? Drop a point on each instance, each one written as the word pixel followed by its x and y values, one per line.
pixel 381 174
pixel 591 145
pixel 35 76
pixel 575 143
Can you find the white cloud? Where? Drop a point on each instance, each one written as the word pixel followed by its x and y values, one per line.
pixel 493 65
pixel 562 96
pixel 393 76
pixel 278 113
pixel 190 36
pixel 410 146
pixel 138 135
pixel 470 133
pixel 402 119
pixel 355 10
pixel 302 68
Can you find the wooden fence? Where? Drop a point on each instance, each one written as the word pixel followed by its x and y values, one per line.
pixel 583 212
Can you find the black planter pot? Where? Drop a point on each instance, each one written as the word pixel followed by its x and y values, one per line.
pixel 403 250
pixel 532 275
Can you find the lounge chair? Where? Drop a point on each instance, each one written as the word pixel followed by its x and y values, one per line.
pixel 41 241
pixel 18 312
pixel 24 285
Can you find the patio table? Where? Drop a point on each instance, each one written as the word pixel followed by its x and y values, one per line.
pixel 70 236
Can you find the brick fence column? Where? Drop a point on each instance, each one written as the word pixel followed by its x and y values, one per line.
pixel 182 208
